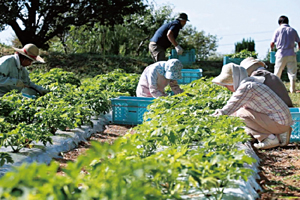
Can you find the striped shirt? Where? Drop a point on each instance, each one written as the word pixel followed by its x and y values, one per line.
pixel 260 98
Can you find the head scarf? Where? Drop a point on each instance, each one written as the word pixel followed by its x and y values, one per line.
pixel 238 74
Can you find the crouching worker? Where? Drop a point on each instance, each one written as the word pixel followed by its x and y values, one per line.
pixel 256 67
pixel 265 114
pixel 157 76
pixel 14 75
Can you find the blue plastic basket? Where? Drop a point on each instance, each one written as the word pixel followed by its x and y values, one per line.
pixel 28 96
pixel 129 110
pixel 272 57
pixel 189 75
pixel 298 56
pixel 187 57
pixel 295 136
pixel 227 60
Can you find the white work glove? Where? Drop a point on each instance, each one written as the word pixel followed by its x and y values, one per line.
pixel 179 50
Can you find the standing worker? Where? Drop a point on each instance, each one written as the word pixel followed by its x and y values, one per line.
pixel 285 38
pixel 13 74
pixel 165 36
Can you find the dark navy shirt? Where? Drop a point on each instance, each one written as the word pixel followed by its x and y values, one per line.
pixel 160 36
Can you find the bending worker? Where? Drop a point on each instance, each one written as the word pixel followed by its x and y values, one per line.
pixel 267 117
pixel 157 76
pixel 13 74
pixel 256 67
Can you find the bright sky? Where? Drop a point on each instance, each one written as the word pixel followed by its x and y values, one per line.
pixel 233 20
pixel 230 20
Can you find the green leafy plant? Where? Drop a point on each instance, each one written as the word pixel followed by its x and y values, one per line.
pixel 243 54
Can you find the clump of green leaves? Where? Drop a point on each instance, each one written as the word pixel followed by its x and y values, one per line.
pixel 243 54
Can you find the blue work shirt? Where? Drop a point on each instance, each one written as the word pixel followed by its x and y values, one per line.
pixel 160 36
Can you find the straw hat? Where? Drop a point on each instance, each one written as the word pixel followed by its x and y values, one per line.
pixel 225 77
pixel 173 69
pixel 251 64
pixel 30 51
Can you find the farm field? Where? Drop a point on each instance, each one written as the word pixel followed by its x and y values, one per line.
pixel 193 125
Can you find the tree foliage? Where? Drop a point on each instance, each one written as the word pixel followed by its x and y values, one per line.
pixel 245 44
pixel 129 38
pixel 37 21
pixel 204 45
pixel 132 37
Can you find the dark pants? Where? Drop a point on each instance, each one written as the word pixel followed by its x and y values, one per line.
pixel 158 53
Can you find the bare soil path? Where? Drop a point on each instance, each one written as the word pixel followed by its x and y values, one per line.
pixel 280 173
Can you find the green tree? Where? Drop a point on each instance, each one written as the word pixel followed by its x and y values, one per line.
pixel 245 44
pixel 41 20
pixel 130 38
pixel 142 27
pixel 204 45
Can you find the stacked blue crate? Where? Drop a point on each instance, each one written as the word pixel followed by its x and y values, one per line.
pixel 189 75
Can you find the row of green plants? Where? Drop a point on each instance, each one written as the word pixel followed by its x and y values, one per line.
pixel 69 104
pixel 179 146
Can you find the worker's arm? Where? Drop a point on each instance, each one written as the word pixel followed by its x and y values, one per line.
pixel 272 45
pixel 171 38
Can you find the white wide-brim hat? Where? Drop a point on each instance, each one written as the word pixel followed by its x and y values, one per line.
pixel 30 51
pixel 251 64
pixel 225 77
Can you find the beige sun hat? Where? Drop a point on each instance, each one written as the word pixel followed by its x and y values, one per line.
pixel 251 64
pixel 225 77
pixel 30 51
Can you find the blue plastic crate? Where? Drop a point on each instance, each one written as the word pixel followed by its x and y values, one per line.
pixel 227 60
pixel 189 75
pixel 295 136
pixel 298 56
pixel 187 57
pixel 28 96
pixel 129 110
pixel 272 57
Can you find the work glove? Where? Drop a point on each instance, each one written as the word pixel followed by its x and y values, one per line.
pixel 20 83
pixel 179 50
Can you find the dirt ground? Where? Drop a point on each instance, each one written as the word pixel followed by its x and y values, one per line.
pixel 110 133
pixel 280 167
pixel 280 173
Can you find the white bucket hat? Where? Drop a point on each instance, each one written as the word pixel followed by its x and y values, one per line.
pixel 251 64
pixel 30 51
pixel 173 69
